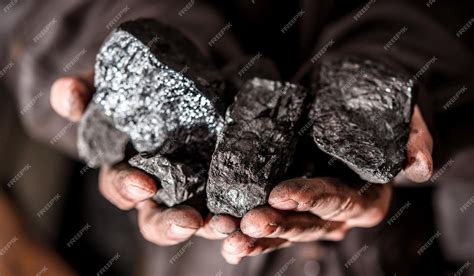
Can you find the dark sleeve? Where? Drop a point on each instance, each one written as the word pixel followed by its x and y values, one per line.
pixel 51 39
pixel 429 44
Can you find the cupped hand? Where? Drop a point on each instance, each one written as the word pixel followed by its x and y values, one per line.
pixel 324 208
pixel 299 209
pixel 127 187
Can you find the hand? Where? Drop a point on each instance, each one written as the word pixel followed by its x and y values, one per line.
pixel 324 208
pixel 127 187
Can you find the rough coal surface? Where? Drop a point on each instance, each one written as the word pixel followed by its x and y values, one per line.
pixel 99 142
pixel 155 89
pixel 361 115
pixel 255 147
pixel 156 86
pixel 179 180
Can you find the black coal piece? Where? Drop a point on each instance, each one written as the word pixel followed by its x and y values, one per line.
pixel 156 90
pixel 361 115
pixel 255 147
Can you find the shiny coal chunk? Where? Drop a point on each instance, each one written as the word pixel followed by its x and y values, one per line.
pixel 99 142
pixel 255 147
pixel 361 115
pixel 156 86
pixel 179 180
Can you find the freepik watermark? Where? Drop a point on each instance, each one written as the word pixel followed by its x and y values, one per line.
pixel 322 51
pixel 395 38
pixel 78 235
pixel 442 170
pixel 292 21
pixel 399 213
pixel 423 69
pixel 18 176
pixel 454 98
pixel 10 6
pixel 285 267
pixel 43 271
pixel 31 103
pixel 465 27
pixel 364 9
pixel 356 256
pixel 249 64
pixel 108 265
pixel 219 35
pixel 461 270
pixel 6 68
pixel 181 252
pixel 364 188
pixel 7 246
pixel 74 60
pixel 117 17
pixel 45 30
pixel 305 128
pixel 153 41
pixel 61 133
pixel 430 3
pixel 186 8
pixel 48 205
pixel 427 244
pixel 467 204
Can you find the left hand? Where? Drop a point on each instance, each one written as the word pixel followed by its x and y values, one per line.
pixel 324 208
pixel 304 210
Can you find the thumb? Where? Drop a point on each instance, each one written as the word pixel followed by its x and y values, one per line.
pixel 70 95
pixel 419 166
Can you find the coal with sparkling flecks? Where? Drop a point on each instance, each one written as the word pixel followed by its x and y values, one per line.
pixel 361 115
pixel 255 147
pixel 140 86
pixel 155 88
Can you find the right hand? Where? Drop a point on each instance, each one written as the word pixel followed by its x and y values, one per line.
pixel 127 187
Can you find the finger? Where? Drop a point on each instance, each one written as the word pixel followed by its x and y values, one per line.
pixel 124 186
pixel 218 226
pixel 419 166
pixel 70 96
pixel 268 222
pixel 167 226
pixel 332 199
pixel 239 245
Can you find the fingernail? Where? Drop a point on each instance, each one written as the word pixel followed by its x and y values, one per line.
pixel 137 192
pixel 253 231
pixel 181 232
pixel 286 205
pixel 222 227
pixel 234 249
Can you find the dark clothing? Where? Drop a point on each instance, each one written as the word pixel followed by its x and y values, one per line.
pixel 41 38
